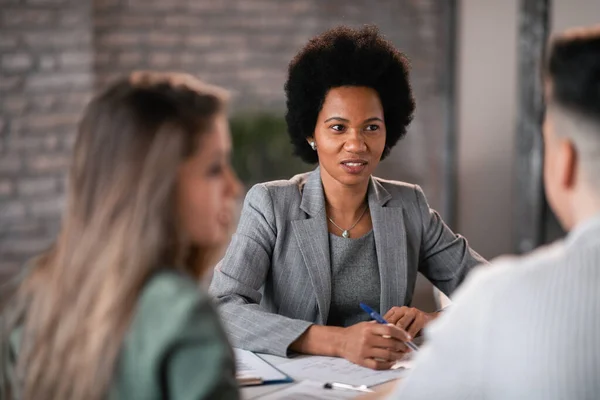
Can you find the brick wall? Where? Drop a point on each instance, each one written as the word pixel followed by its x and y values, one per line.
pixel 51 49
pixel 245 45
pixel 45 79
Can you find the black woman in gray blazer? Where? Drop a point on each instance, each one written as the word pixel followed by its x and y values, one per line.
pixel 308 250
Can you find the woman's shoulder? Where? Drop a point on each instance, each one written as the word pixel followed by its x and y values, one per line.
pixel 171 308
pixel 283 191
pixel 173 326
pixel 169 304
pixel 294 183
pixel 170 284
pixel 395 185
pixel 399 190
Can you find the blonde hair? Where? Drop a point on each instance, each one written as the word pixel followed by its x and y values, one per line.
pixel 120 226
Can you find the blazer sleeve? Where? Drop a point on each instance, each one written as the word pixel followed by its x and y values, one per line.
pixel 241 274
pixel 445 257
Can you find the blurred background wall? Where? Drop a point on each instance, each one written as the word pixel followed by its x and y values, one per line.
pixel 46 77
pixel 246 46
pixel 54 54
pixel 487 100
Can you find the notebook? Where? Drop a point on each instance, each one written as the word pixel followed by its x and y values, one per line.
pixel 253 370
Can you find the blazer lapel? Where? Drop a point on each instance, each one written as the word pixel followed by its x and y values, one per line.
pixel 313 240
pixel 390 244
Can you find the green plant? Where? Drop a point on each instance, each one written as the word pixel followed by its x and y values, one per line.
pixel 261 148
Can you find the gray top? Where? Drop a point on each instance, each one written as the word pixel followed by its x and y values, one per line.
pixel 354 279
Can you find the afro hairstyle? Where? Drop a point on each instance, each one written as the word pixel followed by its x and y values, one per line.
pixel 344 56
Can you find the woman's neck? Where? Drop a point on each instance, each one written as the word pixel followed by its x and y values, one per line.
pixel 342 200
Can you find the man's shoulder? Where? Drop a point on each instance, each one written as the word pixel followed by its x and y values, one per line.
pixel 509 270
pixel 517 275
pixel 531 263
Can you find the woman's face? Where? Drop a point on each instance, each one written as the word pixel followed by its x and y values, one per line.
pixel 208 188
pixel 350 134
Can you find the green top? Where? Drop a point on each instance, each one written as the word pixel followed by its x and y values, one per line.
pixel 176 347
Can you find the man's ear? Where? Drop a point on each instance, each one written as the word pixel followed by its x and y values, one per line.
pixel 569 161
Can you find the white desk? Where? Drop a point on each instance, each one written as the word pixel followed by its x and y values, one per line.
pixel 256 392
pixel 252 392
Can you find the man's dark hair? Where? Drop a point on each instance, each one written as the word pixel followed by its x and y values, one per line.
pixel 573 70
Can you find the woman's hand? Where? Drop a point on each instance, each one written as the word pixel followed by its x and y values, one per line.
pixel 411 319
pixel 373 345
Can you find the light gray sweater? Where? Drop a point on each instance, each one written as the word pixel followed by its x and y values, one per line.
pixel 523 328
pixel 354 279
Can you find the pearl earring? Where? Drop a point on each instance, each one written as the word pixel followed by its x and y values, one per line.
pixel 313 145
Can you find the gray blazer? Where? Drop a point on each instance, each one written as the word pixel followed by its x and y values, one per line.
pixel 275 278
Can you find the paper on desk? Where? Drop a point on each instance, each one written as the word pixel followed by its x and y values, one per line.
pixel 310 390
pixel 405 363
pixel 249 364
pixel 332 369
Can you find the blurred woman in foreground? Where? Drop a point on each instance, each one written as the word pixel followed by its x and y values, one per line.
pixel 113 309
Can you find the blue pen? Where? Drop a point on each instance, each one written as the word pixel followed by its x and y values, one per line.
pixel 375 315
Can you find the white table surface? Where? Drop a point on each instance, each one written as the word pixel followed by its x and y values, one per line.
pixel 256 392
pixel 252 392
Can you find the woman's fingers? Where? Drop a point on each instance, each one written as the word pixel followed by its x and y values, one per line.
pixel 407 318
pixel 377 364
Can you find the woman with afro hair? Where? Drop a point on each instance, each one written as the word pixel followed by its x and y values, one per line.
pixel 309 250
